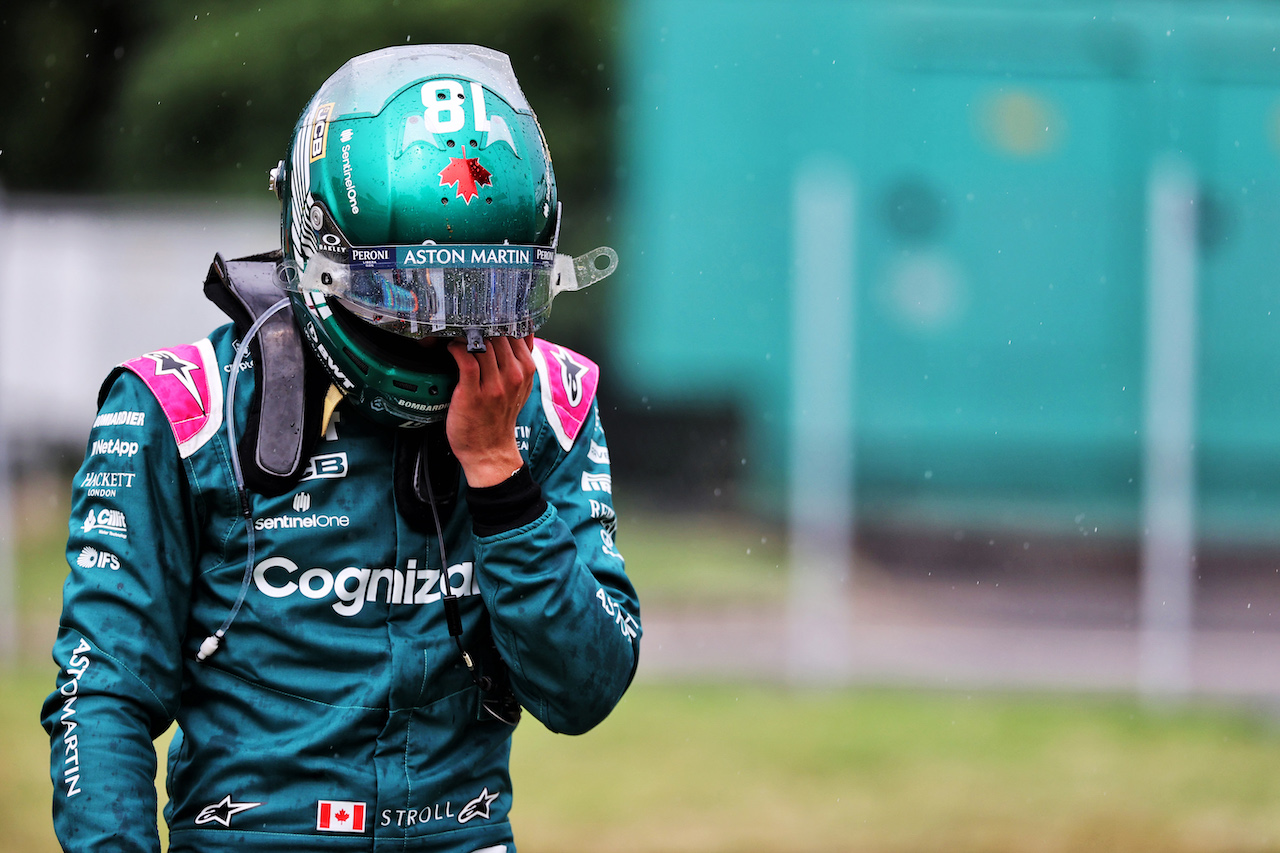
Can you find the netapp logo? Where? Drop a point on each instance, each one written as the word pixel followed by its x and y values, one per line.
pixel 113 447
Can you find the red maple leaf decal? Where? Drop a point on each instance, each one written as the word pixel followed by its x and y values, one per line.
pixel 467 174
pixel 341 816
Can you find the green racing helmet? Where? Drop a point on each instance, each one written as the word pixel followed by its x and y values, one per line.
pixel 418 201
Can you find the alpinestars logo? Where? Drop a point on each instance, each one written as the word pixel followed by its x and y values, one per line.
pixel 222 811
pixel 477 808
pixel 571 375
pixel 168 364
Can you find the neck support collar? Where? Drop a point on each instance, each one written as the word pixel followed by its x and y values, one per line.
pixel 284 419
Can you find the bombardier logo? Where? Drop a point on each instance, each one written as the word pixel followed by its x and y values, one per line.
pixel 120 419
pixel 280 577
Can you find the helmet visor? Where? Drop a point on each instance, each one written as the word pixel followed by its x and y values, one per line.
pixel 431 290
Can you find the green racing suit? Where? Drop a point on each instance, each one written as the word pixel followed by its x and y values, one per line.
pixel 338 713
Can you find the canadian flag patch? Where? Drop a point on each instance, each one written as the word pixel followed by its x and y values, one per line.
pixel 340 816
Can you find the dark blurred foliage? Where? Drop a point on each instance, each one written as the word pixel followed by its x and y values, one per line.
pixel 145 96
pixel 156 97
pixel 134 97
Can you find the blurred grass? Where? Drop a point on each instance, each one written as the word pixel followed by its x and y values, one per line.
pixel 728 768
pixel 700 560
pixel 754 769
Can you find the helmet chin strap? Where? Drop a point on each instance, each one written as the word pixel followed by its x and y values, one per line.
pixel 214 640
pixel 475 341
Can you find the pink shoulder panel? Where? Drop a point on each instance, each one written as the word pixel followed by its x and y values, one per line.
pixel 187 383
pixel 569 382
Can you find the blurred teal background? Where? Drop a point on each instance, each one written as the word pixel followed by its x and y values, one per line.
pixel 1001 153
pixel 1001 158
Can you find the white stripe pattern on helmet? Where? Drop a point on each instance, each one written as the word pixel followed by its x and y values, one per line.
pixel 304 240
